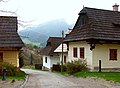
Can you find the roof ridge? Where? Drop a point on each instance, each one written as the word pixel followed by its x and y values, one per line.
pixel 55 37
pixel 101 9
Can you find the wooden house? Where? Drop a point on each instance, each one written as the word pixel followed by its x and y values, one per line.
pixel 96 36
pixel 10 42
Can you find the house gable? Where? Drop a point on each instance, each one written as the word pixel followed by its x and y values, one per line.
pixel 82 20
pixel 59 48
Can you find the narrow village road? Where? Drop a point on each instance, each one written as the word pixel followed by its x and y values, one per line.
pixel 44 79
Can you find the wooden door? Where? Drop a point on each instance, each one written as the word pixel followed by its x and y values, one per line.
pixel 65 59
pixel 1 57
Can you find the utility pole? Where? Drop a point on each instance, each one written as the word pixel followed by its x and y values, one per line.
pixel 62 51
pixel 31 59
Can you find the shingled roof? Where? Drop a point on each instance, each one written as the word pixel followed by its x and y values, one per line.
pixel 52 44
pixel 8 32
pixel 101 24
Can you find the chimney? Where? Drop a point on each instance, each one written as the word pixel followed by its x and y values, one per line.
pixel 115 7
pixel 68 32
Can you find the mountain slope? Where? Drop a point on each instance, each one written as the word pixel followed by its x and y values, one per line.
pixel 40 33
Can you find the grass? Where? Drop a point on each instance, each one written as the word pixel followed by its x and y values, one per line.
pixel 110 76
pixel 62 73
pixel 20 76
pixel 29 67
pixel 32 67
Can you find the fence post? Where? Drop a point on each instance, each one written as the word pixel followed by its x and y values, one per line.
pixel 99 65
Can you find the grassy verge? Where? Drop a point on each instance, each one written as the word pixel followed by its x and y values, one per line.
pixel 61 73
pixel 109 76
pixel 32 67
pixel 29 67
pixel 20 76
pixel 113 76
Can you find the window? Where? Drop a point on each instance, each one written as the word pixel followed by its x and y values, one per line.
pixel 65 59
pixel 83 19
pixel 75 52
pixel 82 52
pixel 1 57
pixel 45 59
pixel 113 54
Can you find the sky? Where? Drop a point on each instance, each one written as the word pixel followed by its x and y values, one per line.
pixel 39 11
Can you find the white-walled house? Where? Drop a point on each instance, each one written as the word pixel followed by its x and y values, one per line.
pixel 101 52
pixel 52 53
pixel 96 36
pixel 65 53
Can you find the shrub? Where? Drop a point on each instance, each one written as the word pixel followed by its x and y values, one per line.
pixel 11 69
pixel 76 66
pixel 64 68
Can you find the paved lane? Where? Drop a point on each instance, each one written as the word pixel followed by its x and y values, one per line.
pixel 44 79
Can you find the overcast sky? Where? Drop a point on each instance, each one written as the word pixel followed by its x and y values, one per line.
pixel 41 11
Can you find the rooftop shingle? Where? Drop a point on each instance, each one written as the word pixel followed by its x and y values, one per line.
pixel 8 32
pixel 52 44
pixel 101 24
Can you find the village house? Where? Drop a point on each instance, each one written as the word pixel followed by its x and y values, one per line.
pixel 96 36
pixel 10 42
pixel 52 53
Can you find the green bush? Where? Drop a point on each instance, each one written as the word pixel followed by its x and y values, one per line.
pixel 11 69
pixel 64 68
pixel 76 66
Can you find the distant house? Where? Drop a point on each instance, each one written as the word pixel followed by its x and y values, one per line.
pixel 52 53
pixel 10 42
pixel 96 36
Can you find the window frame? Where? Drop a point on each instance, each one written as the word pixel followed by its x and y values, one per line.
pixel 75 52
pixel 83 19
pixel 45 59
pixel 65 59
pixel 82 52
pixel 113 54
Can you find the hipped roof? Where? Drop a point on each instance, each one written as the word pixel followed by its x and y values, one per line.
pixel 8 32
pixel 102 24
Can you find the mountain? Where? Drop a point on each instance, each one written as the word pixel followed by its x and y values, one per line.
pixel 39 34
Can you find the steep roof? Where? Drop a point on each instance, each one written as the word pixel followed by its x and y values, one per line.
pixel 8 32
pixel 101 24
pixel 52 44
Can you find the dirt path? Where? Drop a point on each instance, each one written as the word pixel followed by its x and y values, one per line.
pixel 9 84
pixel 43 79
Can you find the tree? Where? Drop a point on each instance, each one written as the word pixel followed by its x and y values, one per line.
pixel 20 22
